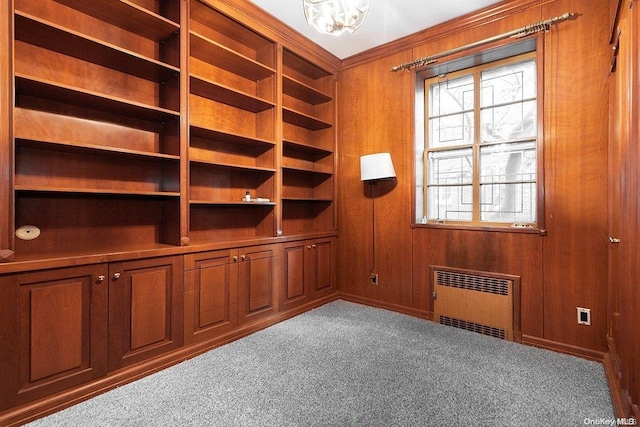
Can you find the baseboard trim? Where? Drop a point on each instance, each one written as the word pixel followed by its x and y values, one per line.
pixel 584 353
pixel 40 408
pixel 619 407
pixel 428 315
pixel 622 402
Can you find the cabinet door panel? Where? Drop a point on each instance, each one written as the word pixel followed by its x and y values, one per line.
pixel 294 272
pixel 55 328
pixel 150 308
pixel 211 295
pixel 61 339
pixel 295 283
pixel 259 275
pixel 324 265
pixel 213 301
pixel 256 282
pixel 145 309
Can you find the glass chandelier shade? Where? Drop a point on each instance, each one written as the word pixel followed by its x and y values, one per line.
pixel 335 16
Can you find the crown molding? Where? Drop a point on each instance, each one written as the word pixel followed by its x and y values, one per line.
pixel 446 29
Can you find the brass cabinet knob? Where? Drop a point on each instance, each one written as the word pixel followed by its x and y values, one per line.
pixel 243 257
pixel 235 258
pixel 100 278
pixel 116 276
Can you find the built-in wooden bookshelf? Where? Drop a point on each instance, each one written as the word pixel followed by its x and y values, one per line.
pixel 96 125
pixel 135 130
pixel 308 115
pixel 232 118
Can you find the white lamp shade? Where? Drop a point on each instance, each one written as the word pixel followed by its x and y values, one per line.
pixel 376 166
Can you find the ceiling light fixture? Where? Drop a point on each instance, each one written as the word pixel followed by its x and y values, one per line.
pixel 335 16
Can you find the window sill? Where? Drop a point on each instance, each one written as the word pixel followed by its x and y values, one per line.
pixel 488 228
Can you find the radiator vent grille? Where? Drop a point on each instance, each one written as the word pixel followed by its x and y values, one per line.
pixel 474 327
pixel 471 282
pixel 477 301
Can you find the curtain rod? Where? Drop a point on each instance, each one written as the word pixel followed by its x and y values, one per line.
pixel 517 34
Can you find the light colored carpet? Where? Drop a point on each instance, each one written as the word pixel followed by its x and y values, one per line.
pixel 347 364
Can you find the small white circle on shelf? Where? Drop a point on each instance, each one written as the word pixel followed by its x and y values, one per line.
pixel 28 232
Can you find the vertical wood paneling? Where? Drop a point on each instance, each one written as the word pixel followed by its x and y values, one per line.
pixel 624 207
pixel 576 108
pixel 559 271
pixel 375 116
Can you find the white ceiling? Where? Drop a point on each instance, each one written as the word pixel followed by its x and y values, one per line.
pixel 387 20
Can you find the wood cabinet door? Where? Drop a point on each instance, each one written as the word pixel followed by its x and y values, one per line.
pixel 256 282
pixel 54 331
pixel 295 286
pixel 323 269
pixel 211 294
pixel 145 309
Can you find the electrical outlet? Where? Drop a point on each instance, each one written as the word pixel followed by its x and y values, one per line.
pixel 584 316
pixel 374 278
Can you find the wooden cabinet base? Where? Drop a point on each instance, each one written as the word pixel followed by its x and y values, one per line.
pixel 46 406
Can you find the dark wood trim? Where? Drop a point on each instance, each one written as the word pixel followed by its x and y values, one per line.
pixel 427 315
pixel 43 407
pixel 446 29
pixel 584 353
pixel 614 387
pixel 6 130
pixel 22 265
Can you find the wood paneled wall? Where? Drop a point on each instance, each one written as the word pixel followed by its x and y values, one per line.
pixel 624 207
pixel 561 270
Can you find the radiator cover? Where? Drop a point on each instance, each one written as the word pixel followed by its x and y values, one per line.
pixel 477 301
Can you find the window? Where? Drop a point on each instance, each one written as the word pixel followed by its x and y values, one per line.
pixel 478 157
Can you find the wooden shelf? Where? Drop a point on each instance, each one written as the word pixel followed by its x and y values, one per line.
pixel 303 120
pixel 310 169
pixel 92 149
pixel 97 191
pixel 230 203
pixel 305 147
pixel 228 137
pixel 307 199
pixel 225 58
pixel 232 166
pixel 26 85
pixel 303 91
pixel 303 66
pixel 226 95
pixel 32 30
pixel 128 16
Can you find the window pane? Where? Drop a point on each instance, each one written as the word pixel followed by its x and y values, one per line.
pixel 450 131
pixel 450 167
pixel 508 162
pixel 451 96
pixel 515 203
pixel 451 118
pixel 450 203
pixel 508 84
pixel 509 122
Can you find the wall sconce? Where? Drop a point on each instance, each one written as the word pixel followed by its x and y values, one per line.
pixel 373 168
